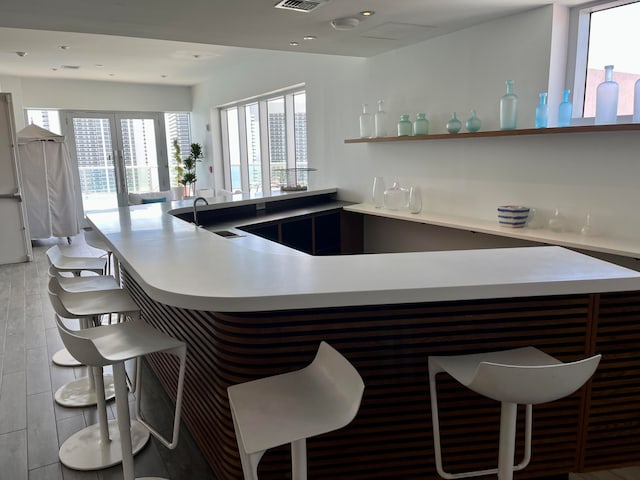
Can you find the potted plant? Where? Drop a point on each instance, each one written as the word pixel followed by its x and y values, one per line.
pixel 178 191
pixel 189 173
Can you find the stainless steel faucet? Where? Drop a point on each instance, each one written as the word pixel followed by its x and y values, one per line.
pixel 195 210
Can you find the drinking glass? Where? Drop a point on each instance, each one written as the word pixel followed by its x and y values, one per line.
pixel 378 192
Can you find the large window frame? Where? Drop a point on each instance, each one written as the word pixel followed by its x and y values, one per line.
pixel 579 37
pixel 256 152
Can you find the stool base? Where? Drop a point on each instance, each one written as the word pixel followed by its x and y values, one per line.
pixel 63 358
pixel 79 393
pixel 83 450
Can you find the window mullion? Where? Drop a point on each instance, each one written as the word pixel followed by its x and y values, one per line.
pixel 226 158
pixel 242 138
pixel 264 146
pixel 290 130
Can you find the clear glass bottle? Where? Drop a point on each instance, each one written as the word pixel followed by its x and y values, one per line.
pixel 557 222
pixel 509 108
pixel 415 200
pixel 396 197
pixel 473 123
pixel 404 126
pixel 565 110
pixel 380 121
pixel 377 195
pixel 542 112
pixel 421 125
pixel 366 123
pixel 454 125
pixel 636 102
pixel 607 99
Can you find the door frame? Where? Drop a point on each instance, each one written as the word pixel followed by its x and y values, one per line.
pixel 66 124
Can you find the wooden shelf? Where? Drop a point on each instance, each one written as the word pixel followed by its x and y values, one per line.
pixel 622 127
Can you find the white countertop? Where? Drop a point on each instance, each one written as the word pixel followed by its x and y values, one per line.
pixel 185 266
pixel 626 248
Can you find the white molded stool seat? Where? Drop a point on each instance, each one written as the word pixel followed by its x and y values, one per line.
pixel 289 408
pixel 519 376
pixel 96 241
pixel 88 306
pixel 113 345
pixel 75 265
pixel 83 284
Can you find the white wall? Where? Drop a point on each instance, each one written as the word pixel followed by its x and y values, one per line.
pixel 577 173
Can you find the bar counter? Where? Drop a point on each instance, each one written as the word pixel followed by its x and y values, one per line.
pixel 249 308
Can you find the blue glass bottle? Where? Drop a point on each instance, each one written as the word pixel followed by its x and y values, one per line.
pixel 636 102
pixel 607 99
pixel 509 108
pixel 542 112
pixel 565 110
pixel 421 125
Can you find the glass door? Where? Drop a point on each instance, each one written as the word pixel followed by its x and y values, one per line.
pixel 116 153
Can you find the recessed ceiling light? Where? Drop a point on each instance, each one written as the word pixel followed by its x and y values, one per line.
pixel 99 65
pixel 294 44
pixel 163 76
pixel 367 13
pixel 310 37
pixel 64 47
pixel 112 74
pixel 345 23
pixel 21 54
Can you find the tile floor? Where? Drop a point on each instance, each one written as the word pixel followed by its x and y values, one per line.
pixel 32 426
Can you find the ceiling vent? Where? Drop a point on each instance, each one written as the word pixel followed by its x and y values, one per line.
pixel 304 6
pixel 70 67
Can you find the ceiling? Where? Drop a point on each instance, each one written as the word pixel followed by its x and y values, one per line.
pixel 184 42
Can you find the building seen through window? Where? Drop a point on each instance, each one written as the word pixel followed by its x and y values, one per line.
pixel 263 139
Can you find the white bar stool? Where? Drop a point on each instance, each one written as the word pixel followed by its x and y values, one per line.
pixel 96 241
pixel 289 408
pixel 519 376
pixel 113 345
pixel 74 265
pixel 97 446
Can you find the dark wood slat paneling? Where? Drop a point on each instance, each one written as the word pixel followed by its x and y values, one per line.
pixel 391 436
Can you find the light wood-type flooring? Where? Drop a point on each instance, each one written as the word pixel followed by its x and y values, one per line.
pixel 32 426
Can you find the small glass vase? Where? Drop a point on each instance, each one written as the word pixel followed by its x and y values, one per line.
pixel 421 125
pixel 404 126
pixel 366 123
pixel 509 108
pixel 415 200
pixel 542 112
pixel 473 123
pixel 565 110
pixel 607 99
pixel 454 125
pixel 380 121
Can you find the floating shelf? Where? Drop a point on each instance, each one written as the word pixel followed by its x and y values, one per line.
pixel 622 127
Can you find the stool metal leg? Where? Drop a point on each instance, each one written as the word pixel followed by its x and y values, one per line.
pixel 299 460
pixel 124 421
pixel 506 452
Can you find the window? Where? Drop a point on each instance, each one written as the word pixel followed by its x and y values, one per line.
pixel 47 119
pixel 264 142
pixel 605 35
pixel 177 127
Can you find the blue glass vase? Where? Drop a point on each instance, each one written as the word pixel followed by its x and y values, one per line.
pixel 473 123
pixel 542 112
pixel 421 125
pixel 454 125
pixel 404 126
pixel 565 110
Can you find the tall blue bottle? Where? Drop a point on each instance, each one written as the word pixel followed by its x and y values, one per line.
pixel 542 112
pixel 607 99
pixel 565 110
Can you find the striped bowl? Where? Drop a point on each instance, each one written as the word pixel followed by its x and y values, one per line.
pixel 514 216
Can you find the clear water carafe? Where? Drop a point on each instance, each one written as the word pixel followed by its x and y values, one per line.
pixel 366 123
